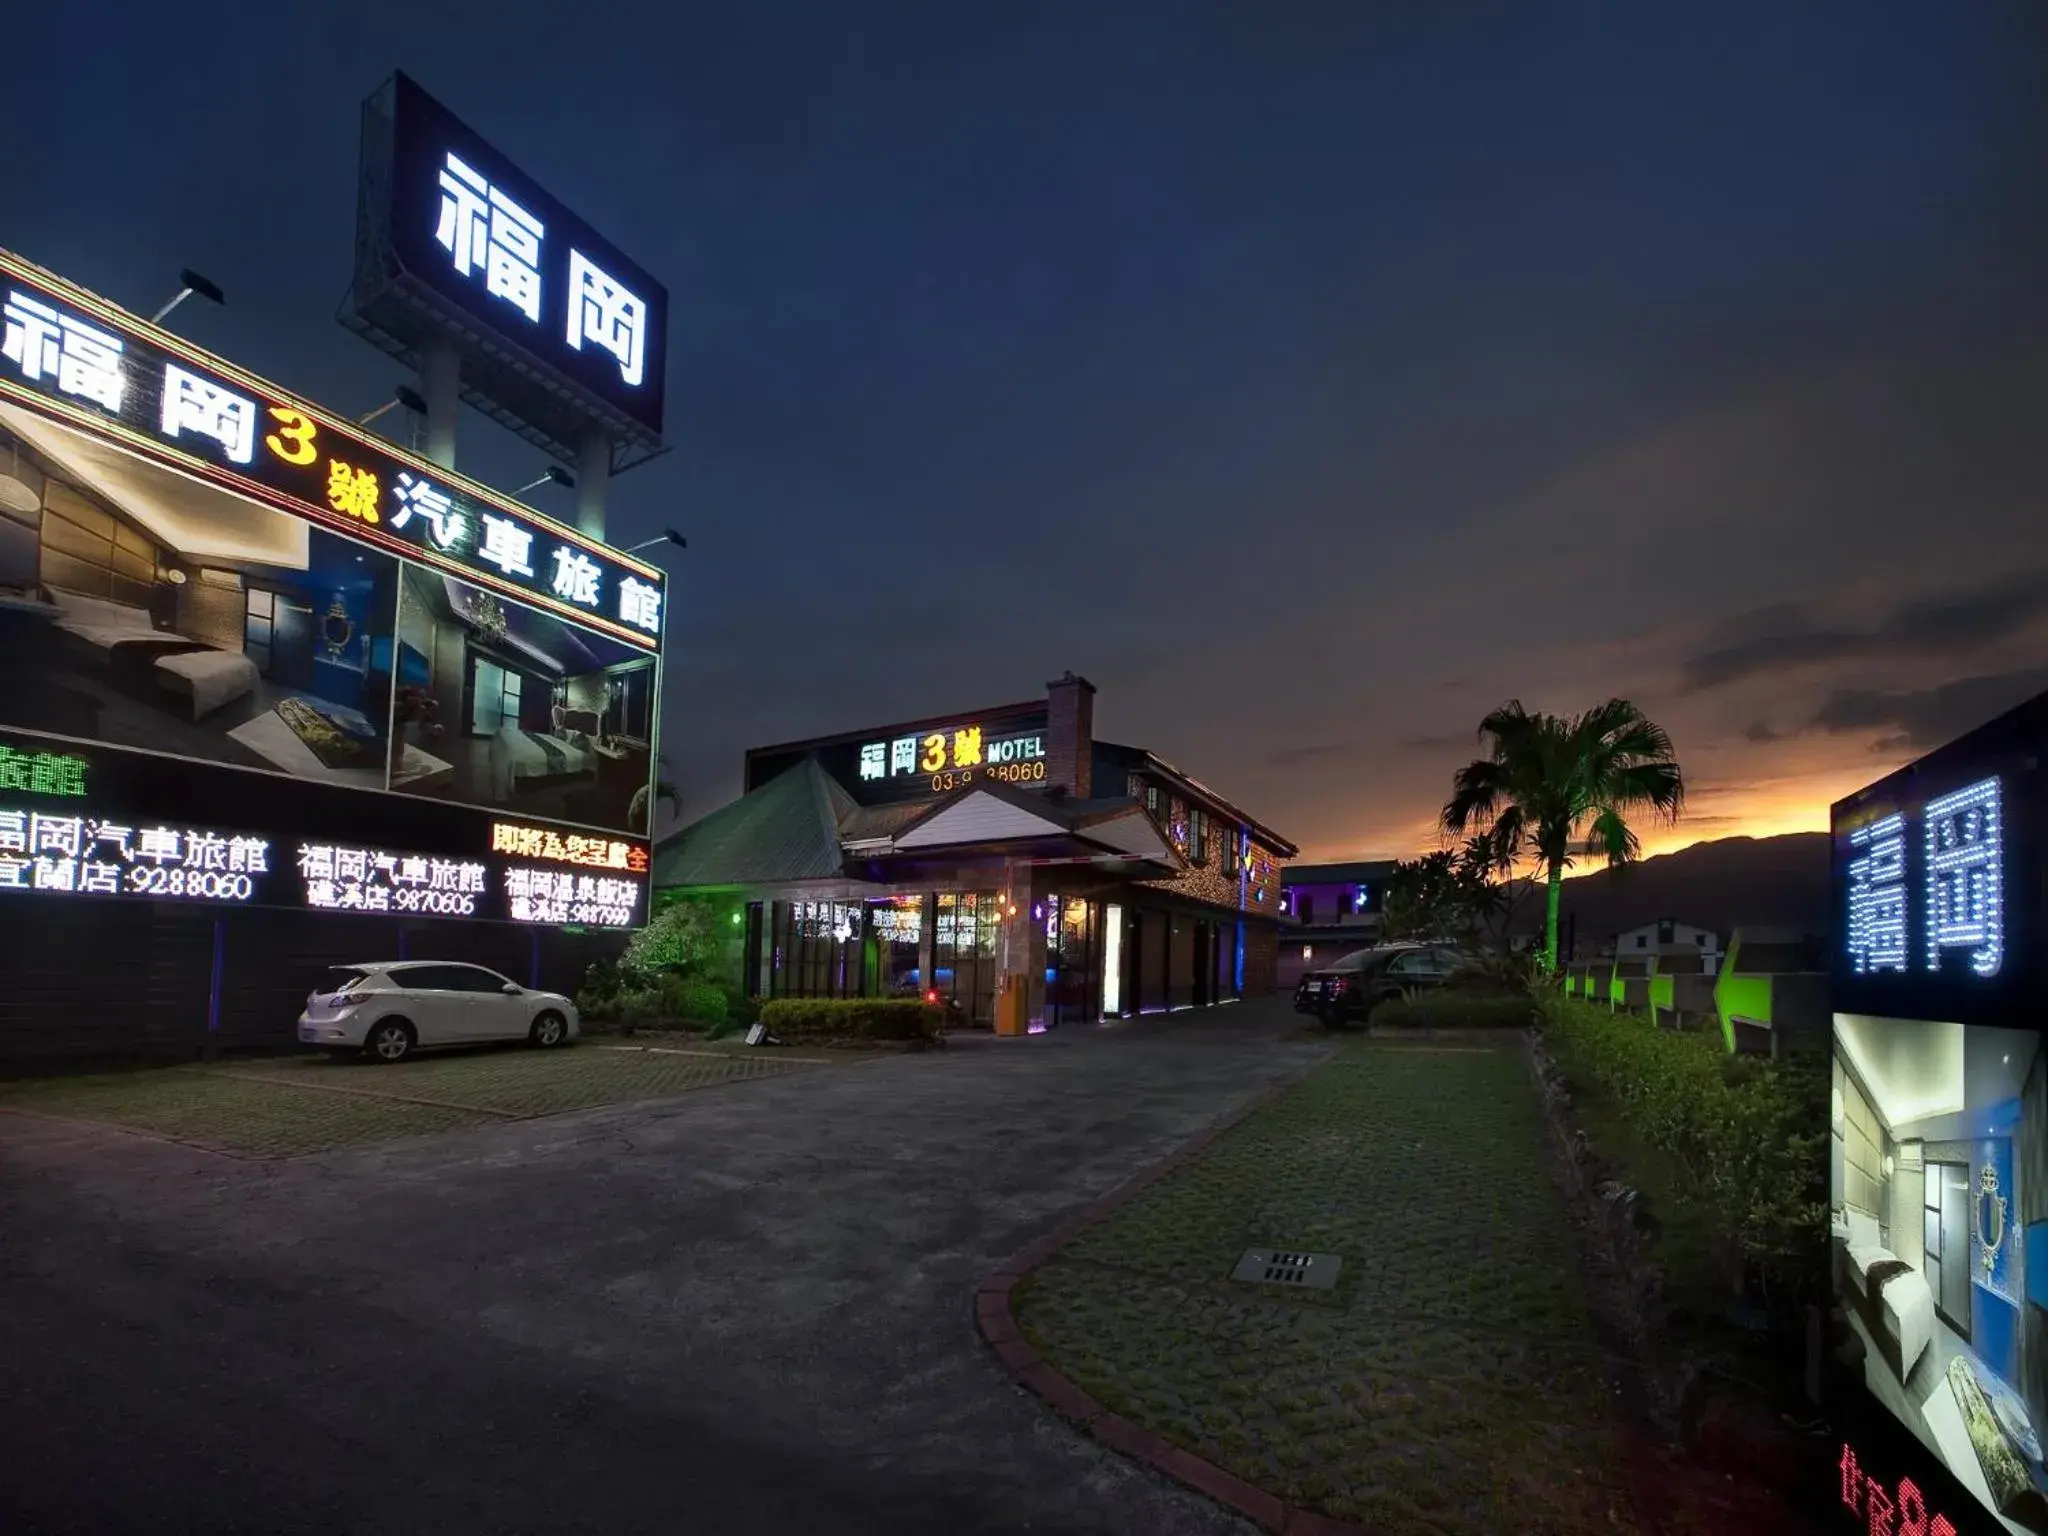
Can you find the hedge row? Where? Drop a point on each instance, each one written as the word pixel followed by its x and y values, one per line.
pixel 1751 1133
pixel 851 1018
pixel 1451 1009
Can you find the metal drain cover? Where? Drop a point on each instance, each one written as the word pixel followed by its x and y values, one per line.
pixel 1288 1266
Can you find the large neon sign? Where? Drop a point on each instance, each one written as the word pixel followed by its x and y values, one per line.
pixel 67 354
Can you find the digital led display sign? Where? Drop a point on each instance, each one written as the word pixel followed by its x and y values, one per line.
pixel 1938 880
pixel 69 355
pixel 128 825
pixel 455 238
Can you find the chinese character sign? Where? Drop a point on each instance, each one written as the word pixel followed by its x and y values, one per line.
pixel 41 773
pixel 568 848
pixel 559 896
pixel 1877 896
pixel 340 878
pixel 467 223
pixel 1965 879
pixel 93 856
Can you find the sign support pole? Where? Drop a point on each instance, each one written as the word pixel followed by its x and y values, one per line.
pixel 441 383
pixel 593 474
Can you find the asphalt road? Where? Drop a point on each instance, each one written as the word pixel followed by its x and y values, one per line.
pixel 745 1310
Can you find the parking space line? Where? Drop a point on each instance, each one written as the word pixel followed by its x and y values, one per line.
pixel 677 1050
pixel 274 1080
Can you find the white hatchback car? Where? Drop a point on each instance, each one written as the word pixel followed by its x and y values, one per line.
pixel 388 1008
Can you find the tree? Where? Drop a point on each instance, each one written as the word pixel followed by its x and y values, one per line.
pixel 1551 786
pixel 1442 895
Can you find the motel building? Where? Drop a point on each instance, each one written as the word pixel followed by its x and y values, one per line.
pixel 1004 859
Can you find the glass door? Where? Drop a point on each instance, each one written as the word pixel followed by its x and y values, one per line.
pixel 1946 1218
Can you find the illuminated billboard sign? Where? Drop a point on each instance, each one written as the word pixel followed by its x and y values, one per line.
pixel 559 328
pixel 84 823
pixel 67 354
pixel 158 593
pixel 1940 1270
pixel 1938 880
pixel 951 757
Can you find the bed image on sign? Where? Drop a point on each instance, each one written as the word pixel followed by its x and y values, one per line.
pixel 568 752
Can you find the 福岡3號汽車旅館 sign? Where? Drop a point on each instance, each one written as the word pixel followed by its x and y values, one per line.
pixel 952 757
pixel 67 355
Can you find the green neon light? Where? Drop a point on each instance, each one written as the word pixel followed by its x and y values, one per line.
pixel 1748 996
pixel 42 773
pixel 1661 990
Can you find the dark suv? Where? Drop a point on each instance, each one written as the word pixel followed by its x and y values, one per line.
pixel 1348 991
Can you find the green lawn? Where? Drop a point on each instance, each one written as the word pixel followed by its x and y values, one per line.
pixel 291 1106
pixel 1450 1384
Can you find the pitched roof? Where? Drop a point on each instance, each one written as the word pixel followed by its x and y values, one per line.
pixel 788 829
pixel 1188 784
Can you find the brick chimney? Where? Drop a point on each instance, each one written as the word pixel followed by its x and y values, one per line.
pixel 1070 736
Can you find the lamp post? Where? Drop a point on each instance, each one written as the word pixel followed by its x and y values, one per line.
pixel 555 475
pixel 402 395
pixel 666 536
pixel 189 283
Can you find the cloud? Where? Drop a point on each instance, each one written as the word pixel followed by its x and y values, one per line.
pixel 1926 717
pixel 1958 623
pixel 1762 732
pixel 1466 738
pixel 1294 757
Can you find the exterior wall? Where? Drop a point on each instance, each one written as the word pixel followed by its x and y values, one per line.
pixel 1261 960
pixel 125 982
pixel 1324 946
pixel 1645 941
pixel 1256 891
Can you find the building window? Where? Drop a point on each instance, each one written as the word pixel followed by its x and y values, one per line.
pixel 1155 803
pixel 1198 837
pixel 1664 933
pixel 1642 941
pixel 1305 908
pixel 1233 860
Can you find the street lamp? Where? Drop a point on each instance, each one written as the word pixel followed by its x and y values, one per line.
pixel 189 283
pixel 667 536
pixel 555 474
pixel 402 395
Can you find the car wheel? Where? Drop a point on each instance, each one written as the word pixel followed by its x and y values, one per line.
pixel 389 1040
pixel 550 1029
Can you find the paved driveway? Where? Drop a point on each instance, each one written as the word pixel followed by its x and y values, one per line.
pixel 745 1310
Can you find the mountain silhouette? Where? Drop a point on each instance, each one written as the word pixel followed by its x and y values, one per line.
pixel 1733 882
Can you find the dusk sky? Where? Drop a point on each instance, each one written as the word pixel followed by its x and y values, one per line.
pixel 1310 377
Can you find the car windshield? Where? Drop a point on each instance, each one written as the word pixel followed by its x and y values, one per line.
pixel 341 977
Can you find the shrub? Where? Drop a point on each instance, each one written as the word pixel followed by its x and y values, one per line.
pixel 740 1008
pixel 1457 1009
pixel 1749 1133
pixel 681 937
pixel 693 1001
pixel 836 1018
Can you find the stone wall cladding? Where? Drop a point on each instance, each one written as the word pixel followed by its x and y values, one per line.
pixel 1070 735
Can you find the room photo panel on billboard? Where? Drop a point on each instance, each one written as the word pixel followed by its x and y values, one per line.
pixel 1939 1232
pixel 145 609
pixel 500 705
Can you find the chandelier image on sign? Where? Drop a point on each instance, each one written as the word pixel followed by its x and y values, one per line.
pixel 488 615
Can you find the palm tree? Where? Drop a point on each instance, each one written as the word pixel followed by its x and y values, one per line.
pixel 1550 785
